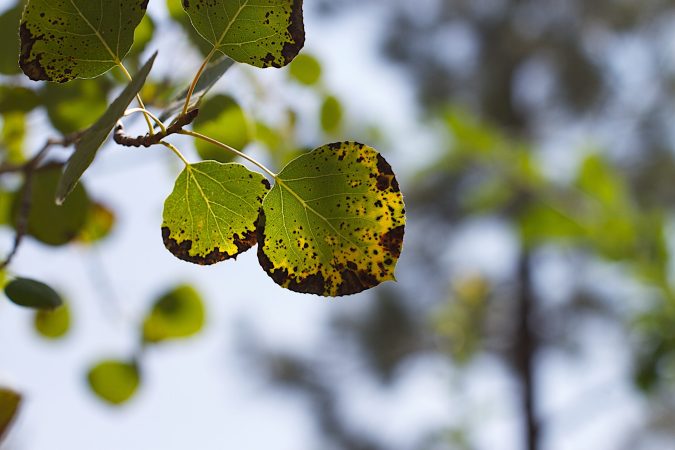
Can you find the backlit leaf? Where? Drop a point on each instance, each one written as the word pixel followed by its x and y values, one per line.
pixel 17 99
pixel 94 137
pixel 262 33
pixel 221 118
pixel 176 13
pixel 114 381
pixel 306 69
pixel 52 324
pixel 66 39
pixel 211 214
pixel 98 225
pixel 47 222
pixel 75 106
pixel 331 114
pixel 32 294
pixel 9 407
pixel 333 223
pixel 177 314
pixel 14 137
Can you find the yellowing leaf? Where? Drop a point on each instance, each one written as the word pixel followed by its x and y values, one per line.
pixel 9 406
pixel 177 314
pixel 66 39
pixel 52 324
pixel 114 381
pixel 211 214
pixel 333 224
pixel 262 33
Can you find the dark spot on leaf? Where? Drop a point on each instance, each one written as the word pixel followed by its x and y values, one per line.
pixel 385 176
pixel 392 241
pixel 354 281
pixel 296 29
pixel 31 67
pixel 182 250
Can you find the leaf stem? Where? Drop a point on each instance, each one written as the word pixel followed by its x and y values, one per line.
pixel 193 85
pixel 159 123
pixel 176 151
pixel 229 149
pixel 138 98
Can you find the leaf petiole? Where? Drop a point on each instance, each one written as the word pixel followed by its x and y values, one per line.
pixel 138 98
pixel 176 152
pixel 159 123
pixel 193 85
pixel 229 149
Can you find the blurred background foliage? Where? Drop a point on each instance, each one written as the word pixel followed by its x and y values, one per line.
pixel 551 123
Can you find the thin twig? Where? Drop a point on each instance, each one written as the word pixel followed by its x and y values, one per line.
pixel 150 140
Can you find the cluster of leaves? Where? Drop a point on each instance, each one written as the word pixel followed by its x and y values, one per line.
pixel 331 222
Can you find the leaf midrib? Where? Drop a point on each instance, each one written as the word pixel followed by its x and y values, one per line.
pixel 115 57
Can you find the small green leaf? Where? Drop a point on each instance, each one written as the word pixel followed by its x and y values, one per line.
pixel 98 225
pixel 262 33
pixel 333 223
pixel 94 137
pixel 47 222
pixel 306 69
pixel 9 50
pixel 331 114
pixel 221 118
pixel 143 35
pixel 211 214
pixel 178 313
pixel 17 99
pixel 114 381
pixel 52 324
pixel 14 137
pixel 66 39
pixel 74 106
pixel 213 72
pixel 32 294
pixel 10 402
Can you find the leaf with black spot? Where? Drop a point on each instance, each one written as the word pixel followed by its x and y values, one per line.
pixel 262 33
pixel 333 223
pixel 66 39
pixel 211 214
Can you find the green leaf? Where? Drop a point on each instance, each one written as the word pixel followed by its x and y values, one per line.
pixel 66 39
pixel 94 137
pixel 47 222
pixel 14 137
pixel 10 402
pixel 9 50
pixel 52 324
pixel 178 313
pixel 333 224
pixel 114 381
pixel 221 118
pixel 262 33
pixel 98 225
pixel 143 35
pixel 17 99
pixel 75 106
pixel 213 72
pixel 211 214
pixel 306 69
pixel 32 294
pixel 331 114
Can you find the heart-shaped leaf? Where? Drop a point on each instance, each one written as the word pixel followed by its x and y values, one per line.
pixel 32 294
pixel 262 33
pixel 66 39
pixel 94 137
pixel 114 381
pixel 211 214
pixel 333 223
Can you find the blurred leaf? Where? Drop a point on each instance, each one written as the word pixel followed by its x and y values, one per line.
pixel 14 136
pixel 143 35
pixel 6 202
pixel 268 34
pixel 213 72
pixel 178 313
pixel 17 99
pixel 540 223
pixel 47 222
pixel 98 225
pixel 598 179
pixel 74 106
pixel 59 41
pixel 331 115
pixel 178 15
pixel 270 137
pixel 52 324
pixel 32 294
pixel 306 69
pixel 212 212
pixel 9 36
pixel 221 118
pixel 92 140
pixel 114 381
pixel 10 402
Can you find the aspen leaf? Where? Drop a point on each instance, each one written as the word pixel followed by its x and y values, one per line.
pixel 114 381
pixel 52 324
pixel 66 39
pixel 211 214
pixel 178 313
pixel 262 33
pixel 333 223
